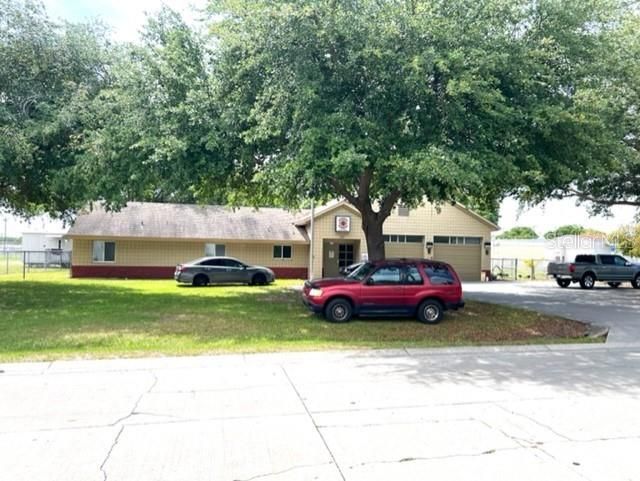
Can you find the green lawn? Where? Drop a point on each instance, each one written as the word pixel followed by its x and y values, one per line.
pixel 50 316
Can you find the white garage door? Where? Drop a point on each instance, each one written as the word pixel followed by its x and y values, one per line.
pixel 463 253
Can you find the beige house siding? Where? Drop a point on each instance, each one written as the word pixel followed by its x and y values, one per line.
pixel 324 229
pixel 425 221
pixel 164 253
pixel 428 221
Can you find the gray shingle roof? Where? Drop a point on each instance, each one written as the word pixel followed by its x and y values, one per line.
pixel 188 221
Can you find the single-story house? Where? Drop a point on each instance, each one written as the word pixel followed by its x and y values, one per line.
pixel 147 240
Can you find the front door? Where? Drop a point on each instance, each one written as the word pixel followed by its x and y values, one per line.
pixel 345 255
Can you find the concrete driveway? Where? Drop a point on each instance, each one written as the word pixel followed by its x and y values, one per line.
pixel 531 413
pixel 618 309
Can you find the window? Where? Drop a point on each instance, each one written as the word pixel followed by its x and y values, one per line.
pixel 345 255
pixel 104 251
pixel 212 263
pixel 414 239
pixel 403 238
pixel 403 210
pixel 388 275
pixel 282 252
pixel 412 276
pixel 621 261
pixel 231 263
pixel 586 258
pixel 214 250
pixel 608 260
pixel 438 274
pixel 457 240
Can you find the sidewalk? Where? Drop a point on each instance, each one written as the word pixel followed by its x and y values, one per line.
pixel 544 412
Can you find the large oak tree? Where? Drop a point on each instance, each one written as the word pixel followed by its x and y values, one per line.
pixel 393 101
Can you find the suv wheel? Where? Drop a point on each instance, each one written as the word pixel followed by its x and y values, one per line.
pixel 338 310
pixel 636 282
pixel 588 281
pixel 200 280
pixel 258 280
pixel 430 312
pixel 563 282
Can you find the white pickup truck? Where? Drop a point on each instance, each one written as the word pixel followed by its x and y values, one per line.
pixel 588 269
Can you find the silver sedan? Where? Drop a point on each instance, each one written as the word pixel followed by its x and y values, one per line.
pixel 222 270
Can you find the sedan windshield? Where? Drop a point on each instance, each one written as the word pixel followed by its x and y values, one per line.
pixel 361 272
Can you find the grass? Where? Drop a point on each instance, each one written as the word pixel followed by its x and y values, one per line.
pixel 50 316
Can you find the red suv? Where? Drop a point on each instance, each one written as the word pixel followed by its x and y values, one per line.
pixel 413 287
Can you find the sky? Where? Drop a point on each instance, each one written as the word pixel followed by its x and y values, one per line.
pixel 126 17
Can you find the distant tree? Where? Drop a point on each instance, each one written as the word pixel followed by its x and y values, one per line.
pixel 627 239
pixel 571 229
pixel 598 234
pixel 519 233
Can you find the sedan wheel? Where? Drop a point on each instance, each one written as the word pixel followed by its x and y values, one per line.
pixel 430 312
pixel 636 282
pixel 259 280
pixel 200 280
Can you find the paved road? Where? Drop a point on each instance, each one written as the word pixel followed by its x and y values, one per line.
pixel 618 309
pixel 533 413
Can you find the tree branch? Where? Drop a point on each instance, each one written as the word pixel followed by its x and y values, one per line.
pixel 344 192
pixel 603 201
pixel 388 203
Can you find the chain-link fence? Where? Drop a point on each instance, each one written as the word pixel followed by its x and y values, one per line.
pixel 24 262
pixel 518 269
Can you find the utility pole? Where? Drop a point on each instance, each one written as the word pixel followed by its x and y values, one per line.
pixel 311 244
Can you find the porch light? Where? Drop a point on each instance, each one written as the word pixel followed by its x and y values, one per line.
pixel 487 247
pixel 429 247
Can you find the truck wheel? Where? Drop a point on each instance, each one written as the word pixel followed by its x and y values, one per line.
pixel 588 281
pixel 614 285
pixel 338 310
pixel 430 312
pixel 563 282
pixel 636 282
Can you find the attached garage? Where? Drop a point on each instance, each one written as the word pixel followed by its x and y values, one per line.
pixel 463 253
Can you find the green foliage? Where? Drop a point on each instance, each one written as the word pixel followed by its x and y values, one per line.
pixel 571 229
pixel 48 73
pixel 627 239
pixel 519 233
pixel 613 94
pixel 155 135
pixel 380 101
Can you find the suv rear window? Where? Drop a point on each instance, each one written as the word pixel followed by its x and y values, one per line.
pixel 587 259
pixel 438 274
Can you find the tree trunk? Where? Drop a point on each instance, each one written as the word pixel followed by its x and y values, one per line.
pixel 372 226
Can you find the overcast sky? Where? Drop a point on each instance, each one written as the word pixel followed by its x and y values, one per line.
pixel 127 17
